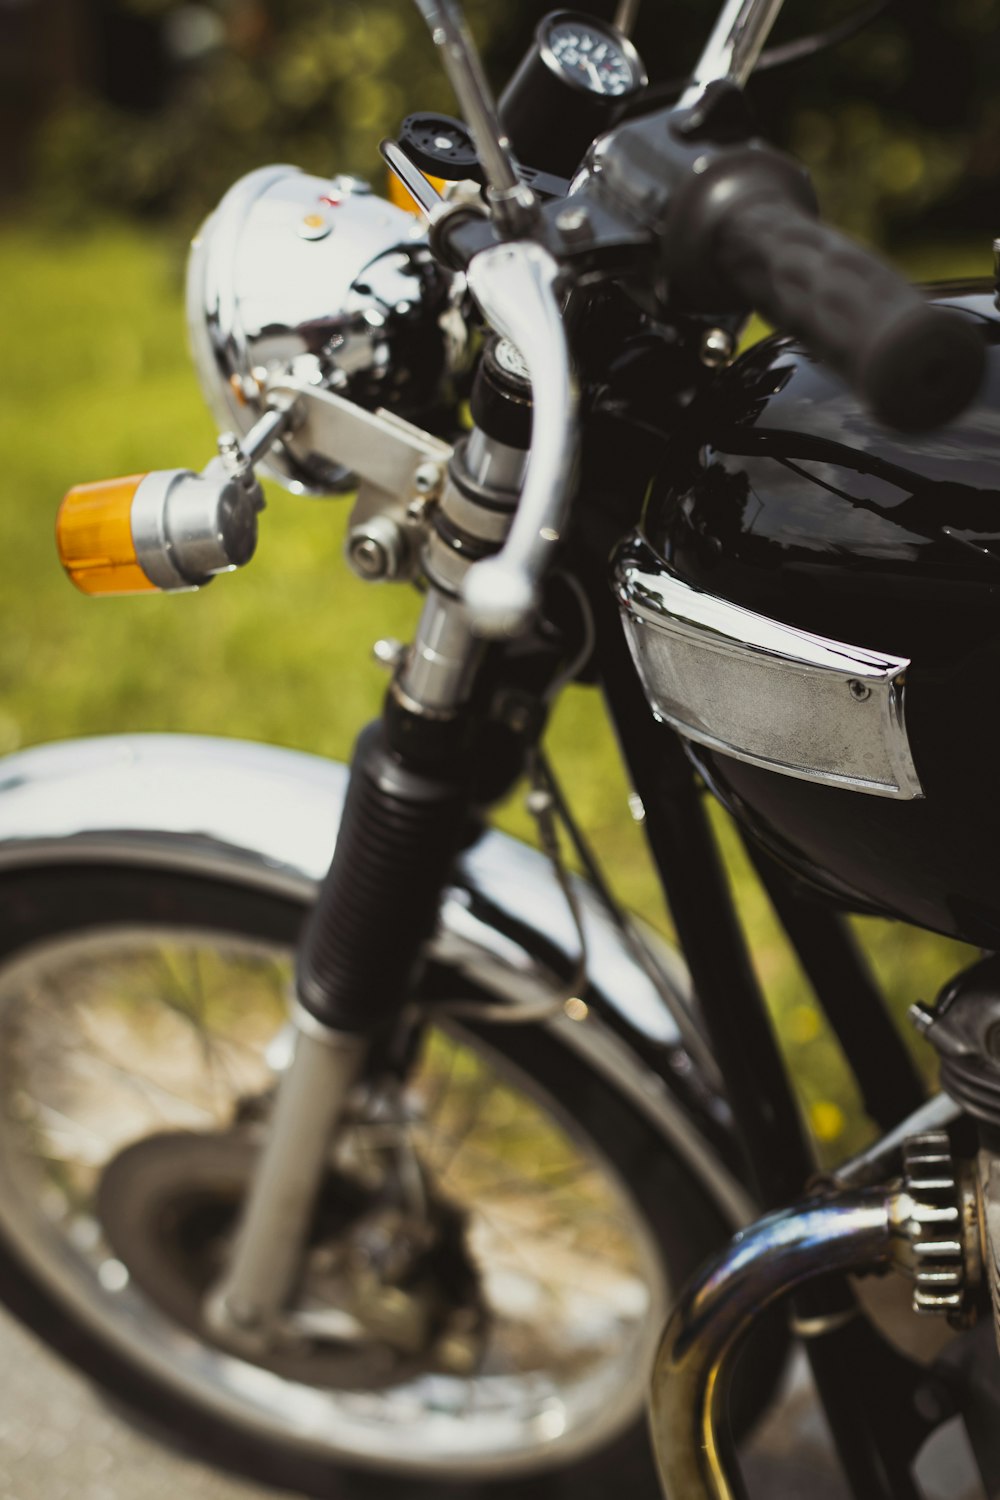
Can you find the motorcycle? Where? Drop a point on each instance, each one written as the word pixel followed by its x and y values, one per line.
pixel 446 1214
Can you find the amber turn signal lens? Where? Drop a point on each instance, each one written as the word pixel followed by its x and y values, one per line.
pixel 94 537
pixel 402 199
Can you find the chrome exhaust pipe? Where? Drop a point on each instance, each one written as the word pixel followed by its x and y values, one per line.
pixel 847 1232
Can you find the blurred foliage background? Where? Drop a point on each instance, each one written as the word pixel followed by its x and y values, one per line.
pixel 124 121
pixel 152 107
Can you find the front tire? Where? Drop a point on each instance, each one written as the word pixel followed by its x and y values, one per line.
pixel 73 990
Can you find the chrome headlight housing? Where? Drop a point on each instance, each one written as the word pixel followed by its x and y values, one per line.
pixel 321 278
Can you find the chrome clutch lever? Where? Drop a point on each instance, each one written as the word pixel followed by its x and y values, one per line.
pixel 515 286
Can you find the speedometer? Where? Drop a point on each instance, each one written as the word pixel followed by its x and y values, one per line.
pixel 568 89
pixel 590 55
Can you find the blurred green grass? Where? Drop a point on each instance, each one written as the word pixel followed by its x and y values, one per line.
pixel 99 384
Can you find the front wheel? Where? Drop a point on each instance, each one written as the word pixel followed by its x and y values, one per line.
pixel 495 1246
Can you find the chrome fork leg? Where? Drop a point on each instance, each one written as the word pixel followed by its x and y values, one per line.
pixel 245 1306
pixel 770 1257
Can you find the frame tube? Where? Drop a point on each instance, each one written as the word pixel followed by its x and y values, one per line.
pixel 764 1104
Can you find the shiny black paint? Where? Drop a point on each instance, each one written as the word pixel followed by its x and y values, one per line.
pixel 787 497
pixel 866 1387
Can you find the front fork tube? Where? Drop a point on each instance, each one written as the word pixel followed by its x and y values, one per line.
pixel 405 818
pixel 402 827
pixel 310 1101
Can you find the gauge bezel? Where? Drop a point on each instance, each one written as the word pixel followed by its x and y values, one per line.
pixel 606 30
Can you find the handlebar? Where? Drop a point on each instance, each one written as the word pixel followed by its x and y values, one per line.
pixel 915 365
pixel 736 229
pixel 735 223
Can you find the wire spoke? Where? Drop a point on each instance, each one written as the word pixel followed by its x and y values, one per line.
pixel 148 1088
pixel 153 1035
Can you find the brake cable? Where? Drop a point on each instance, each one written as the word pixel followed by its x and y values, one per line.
pixel 784 56
pixel 543 803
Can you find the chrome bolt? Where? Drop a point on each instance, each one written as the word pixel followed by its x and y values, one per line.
pixel 427 479
pixel 389 653
pixel 859 690
pixel 574 224
pixel 636 807
pixel 368 557
pixel 234 460
pixel 921 1016
pixel 717 348
pixel 376 549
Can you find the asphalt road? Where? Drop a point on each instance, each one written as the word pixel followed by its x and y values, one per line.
pixel 59 1441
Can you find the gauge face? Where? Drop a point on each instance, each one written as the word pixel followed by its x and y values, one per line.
pixel 591 55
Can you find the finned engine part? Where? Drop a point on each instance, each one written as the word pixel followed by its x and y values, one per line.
pixel 943 1227
pixel 989 1207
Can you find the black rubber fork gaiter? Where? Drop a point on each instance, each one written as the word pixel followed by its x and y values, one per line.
pixel 400 833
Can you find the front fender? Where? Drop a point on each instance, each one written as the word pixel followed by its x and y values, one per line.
pixel 268 817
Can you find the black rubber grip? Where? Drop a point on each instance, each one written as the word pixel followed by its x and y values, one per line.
pixel 399 835
pixel 915 364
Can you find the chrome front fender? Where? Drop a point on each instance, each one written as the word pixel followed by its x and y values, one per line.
pixel 268 817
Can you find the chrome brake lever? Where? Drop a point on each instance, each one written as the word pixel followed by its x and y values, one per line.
pixel 515 286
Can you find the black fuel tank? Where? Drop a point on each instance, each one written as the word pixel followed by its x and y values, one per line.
pixel 793 502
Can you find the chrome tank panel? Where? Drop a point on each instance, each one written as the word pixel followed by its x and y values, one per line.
pixel 790 500
pixel 746 685
pixel 267 817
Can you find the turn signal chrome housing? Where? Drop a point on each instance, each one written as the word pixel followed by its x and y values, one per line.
pixel 320 280
pixel 168 530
